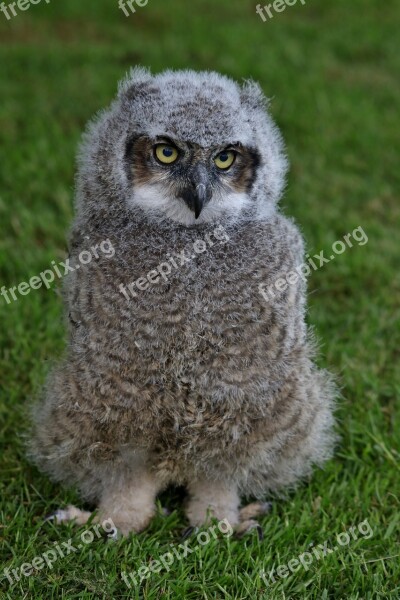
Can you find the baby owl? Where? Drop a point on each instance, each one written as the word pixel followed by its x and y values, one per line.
pixel 178 371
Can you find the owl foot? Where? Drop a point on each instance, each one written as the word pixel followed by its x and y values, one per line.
pixel 125 522
pixel 81 517
pixel 253 510
pixel 130 519
pixel 70 513
pixel 247 516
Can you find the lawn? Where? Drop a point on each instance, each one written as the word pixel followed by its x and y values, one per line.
pixel 331 68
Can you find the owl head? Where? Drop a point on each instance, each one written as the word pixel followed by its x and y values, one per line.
pixel 185 147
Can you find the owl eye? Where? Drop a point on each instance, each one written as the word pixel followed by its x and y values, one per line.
pixel 225 159
pixel 165 153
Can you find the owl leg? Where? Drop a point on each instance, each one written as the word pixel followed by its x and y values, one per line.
pixel 221 501
pixel 209 499
pixel 129 501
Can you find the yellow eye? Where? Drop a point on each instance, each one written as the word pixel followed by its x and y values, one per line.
pixel 166 154
pixel 225 159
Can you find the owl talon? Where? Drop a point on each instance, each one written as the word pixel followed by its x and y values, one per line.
pixel 113 537
pixel 50 516
pixel 186 533
pixel 260 533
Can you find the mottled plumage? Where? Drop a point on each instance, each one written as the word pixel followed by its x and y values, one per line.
pixel 197 379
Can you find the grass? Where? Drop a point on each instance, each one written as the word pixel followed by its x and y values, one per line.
pixel 332 70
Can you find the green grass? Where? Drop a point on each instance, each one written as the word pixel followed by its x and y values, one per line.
pixel 332 68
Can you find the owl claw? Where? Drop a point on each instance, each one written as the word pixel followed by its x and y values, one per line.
pixel 50 516
pixel 114 536
pixel 260 533
pixel 58 516
pixel 186 533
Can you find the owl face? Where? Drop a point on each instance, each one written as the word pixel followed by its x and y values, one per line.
pixel 182 147
pixel 188 182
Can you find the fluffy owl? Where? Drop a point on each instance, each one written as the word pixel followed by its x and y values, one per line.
pixel 178 371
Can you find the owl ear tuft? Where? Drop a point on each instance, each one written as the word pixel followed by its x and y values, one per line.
pixel 133 82
pixel 252 96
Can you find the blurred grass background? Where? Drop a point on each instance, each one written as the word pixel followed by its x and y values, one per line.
pixel 332 70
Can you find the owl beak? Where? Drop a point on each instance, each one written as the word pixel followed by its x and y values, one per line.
pixel 199 199
pixel 197 194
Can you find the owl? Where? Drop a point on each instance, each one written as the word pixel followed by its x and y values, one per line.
pixel 177 370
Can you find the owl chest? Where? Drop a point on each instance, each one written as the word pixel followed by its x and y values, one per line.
pixel 202 325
